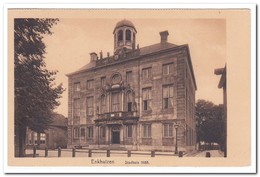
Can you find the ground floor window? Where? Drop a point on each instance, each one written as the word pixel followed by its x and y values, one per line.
pixel 82 133
pixel 102 132
pixel 76 133
pixel 167 130
pixel 147 131
pixel 90 132
pixel 42 138
pixel 129 131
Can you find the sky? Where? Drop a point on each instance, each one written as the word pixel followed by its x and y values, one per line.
pixel 68 48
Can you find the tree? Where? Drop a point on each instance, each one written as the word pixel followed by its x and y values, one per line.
pixel 35 93
pixel 209 122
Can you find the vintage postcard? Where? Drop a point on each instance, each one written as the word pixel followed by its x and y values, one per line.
pixel 165 87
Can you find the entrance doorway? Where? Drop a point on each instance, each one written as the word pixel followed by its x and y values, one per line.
pixel 115 135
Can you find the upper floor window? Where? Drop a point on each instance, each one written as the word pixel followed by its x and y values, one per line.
pixel 115 102
pixel 128 35
pixel 103 81
pixel 90 84
pixel 76 111
pixel 147 131
pixel 167 69
pixel 129 77
pixel 167 130
pixel 103 104
pixel 76 87
pixel 90 106
pixel 129 101
pixel 147 98
pixel 147 73
pixel 120 35
pixel 167 96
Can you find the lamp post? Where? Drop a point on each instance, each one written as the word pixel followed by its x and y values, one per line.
pixel 176 141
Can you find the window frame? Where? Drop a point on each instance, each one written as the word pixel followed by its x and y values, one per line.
pixel 169 68
pixel 115 104
pixel 90 132
pixel 146 130
pixel 148 101
pixel 76 111
pixel 76 133
pixel 76 87
pixel 147 73
pixel 128 129
pixel 90 83
pixel 169 98
pixel 168 129
pixel 90 106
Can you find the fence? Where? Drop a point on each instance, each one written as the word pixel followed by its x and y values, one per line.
pixel 100 153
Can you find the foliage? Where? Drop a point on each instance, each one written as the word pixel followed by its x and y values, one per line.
pixel 36 95
pixel 209 122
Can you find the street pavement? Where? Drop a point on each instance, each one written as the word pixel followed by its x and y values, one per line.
pixel 213 153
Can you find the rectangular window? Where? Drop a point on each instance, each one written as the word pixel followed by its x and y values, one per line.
pixel 42 138
pixel 147 73
pixel 35 138
pixel 90 106
pixel 103 104
pixel 168 69
pixel 167 96
pixel 103 132
pixel 76 133
pixel 90 132
pixel 76 111
pixel 129 77
pixel 129 131
pixel 147 131
pixel 82 133
pixel 129 101
pixel 76 87
pixel 147 97
pixel 115 102
pixel 103 81
pixel 90 84
pixel 167 130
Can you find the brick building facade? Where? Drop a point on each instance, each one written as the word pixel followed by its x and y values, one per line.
pixel 136 99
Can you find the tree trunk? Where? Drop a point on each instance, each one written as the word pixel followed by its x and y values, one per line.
pixel 20 134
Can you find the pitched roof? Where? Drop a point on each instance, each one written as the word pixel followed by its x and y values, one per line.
pixel 59 120
pixel 156 47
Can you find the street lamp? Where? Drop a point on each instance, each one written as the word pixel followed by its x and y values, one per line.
pixel 176 141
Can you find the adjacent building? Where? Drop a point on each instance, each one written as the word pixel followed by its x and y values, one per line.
pixel 53 137
pixel 136 98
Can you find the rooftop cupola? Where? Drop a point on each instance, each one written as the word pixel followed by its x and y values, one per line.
pixel 124 36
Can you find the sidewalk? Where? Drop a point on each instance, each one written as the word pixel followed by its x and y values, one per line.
pixel 213 153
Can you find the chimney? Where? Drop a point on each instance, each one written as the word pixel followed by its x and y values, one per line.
pixel 164 36
pixel 93 56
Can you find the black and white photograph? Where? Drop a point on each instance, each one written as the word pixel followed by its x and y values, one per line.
pixel 128 87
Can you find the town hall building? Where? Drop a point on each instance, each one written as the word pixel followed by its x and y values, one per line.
pixel 136 98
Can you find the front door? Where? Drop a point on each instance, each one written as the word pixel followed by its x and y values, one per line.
pixel 115 135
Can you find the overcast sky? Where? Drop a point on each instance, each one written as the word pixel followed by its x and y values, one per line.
pixel 73 39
